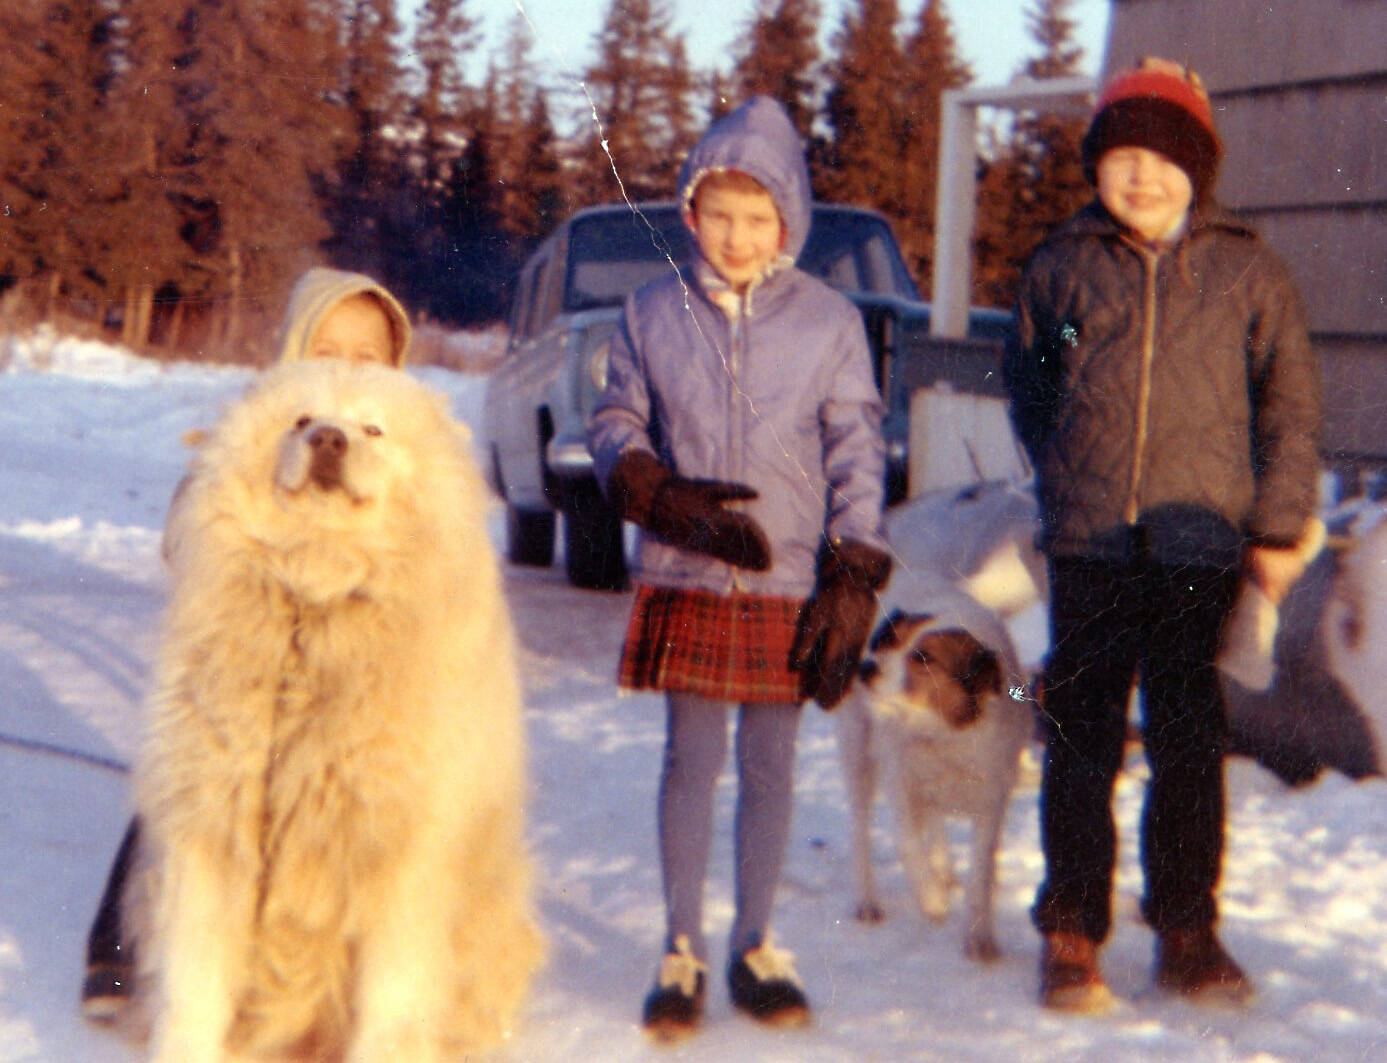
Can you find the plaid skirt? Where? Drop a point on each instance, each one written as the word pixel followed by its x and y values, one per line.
pixel 730 647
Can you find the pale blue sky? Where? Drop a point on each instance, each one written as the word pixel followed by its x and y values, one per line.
pixel 992 33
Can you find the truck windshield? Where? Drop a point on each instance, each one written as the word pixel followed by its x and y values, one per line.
pixel 613 253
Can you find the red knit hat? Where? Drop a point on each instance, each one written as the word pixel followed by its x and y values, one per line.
pixel 1161 105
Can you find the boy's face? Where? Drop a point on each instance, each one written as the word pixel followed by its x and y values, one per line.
pixel 739 233
pixel 1144 191
pixel 354 330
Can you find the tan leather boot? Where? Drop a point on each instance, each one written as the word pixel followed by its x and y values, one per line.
pixel 1193 962
pixel 1069 976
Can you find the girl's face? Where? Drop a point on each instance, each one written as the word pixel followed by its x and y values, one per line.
pixel 354 330
pixel 739 233
pixel 1144 191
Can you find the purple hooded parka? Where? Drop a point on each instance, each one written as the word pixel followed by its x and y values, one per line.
pixel 778 395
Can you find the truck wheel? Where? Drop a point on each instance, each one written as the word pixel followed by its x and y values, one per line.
pixel 530 536
pixel 595 554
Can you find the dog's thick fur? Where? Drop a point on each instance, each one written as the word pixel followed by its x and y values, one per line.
pixel 939 710
pixel 332 863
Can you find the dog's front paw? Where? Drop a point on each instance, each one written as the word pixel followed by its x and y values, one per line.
pixel 869 912
pixel 982 947
pixel 933 899
pixel 175 1049
pixel 414 1046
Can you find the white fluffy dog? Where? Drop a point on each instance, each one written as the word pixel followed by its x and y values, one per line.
pixel 940 711
pixel 332 863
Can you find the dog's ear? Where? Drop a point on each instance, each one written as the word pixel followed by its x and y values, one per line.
pixel 984 673
pixel 886 636
pixel 892 632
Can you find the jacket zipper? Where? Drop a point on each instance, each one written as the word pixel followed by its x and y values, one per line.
pixel 1149 260
pixel 736 434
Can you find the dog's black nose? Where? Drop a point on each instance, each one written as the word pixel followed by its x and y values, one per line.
pixel 329 446
pixel 327 440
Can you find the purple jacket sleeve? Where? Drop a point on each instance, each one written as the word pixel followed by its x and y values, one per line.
pixel 621 420
pixel 854 453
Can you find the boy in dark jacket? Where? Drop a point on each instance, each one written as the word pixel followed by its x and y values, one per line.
pixel 1164 386
pixel 741 429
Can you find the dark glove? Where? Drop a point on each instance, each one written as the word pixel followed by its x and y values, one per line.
pixel 835 622
pixel 687 513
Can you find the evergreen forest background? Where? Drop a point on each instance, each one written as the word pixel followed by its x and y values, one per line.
pixel 168 166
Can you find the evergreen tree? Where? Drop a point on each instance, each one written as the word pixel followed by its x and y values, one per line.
pixel 444 35
pixel 859 164
pixel 1036 179
pixel 239 161
pixel 1052 26
pixel 932 66
pixel 370 169
pixel 143 107
pixel 540 179
pixel 525 145
pixel 721 98
pixel 479 260
pixel 56 67
pixel 779 56
pixel 640 121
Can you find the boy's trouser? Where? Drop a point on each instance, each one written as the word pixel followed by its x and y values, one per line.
pixel 1108 622
pixel 695 751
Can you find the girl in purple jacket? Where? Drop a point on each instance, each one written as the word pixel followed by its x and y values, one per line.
pixel 741 430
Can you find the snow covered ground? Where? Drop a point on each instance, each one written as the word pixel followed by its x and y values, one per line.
pixel 91 453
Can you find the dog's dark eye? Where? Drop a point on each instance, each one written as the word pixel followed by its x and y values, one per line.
pixel 302 423
pixel 372 430
pixel 920 656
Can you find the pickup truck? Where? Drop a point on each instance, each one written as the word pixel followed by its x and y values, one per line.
pixel 568 300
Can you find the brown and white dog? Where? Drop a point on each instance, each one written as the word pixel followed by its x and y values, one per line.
pixel 940 713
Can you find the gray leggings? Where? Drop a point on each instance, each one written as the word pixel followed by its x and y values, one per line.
pixel 695 751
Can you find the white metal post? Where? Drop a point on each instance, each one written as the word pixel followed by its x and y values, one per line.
pixel 956 201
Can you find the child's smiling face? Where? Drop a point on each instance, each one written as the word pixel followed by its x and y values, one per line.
pixel 1144 191
pixel 739 232
pixel 356 330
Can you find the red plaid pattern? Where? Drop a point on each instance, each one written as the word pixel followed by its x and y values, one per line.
pixel 731 647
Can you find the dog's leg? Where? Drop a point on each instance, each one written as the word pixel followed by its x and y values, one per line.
pixel 403 981
pixel 860 776
pixel 928 864
pixel 924 843
pixel 980 942
pixel 200 952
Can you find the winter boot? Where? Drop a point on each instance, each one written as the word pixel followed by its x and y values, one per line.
pixel 1191 961
pixel 763 983
pixel 1069 976
pixel 110 977
pixel 106 990
pixel 674 1007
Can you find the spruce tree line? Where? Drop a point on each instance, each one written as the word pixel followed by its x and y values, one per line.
pixel 167 168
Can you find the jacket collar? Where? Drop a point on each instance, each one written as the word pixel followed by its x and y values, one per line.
pixel 1094 220
pixel 729 301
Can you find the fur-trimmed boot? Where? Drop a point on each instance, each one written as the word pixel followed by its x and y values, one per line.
pixel 674 1007
pixel 763 983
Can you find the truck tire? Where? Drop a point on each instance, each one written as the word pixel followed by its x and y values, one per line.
pixel 530 536
pixel 595 556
